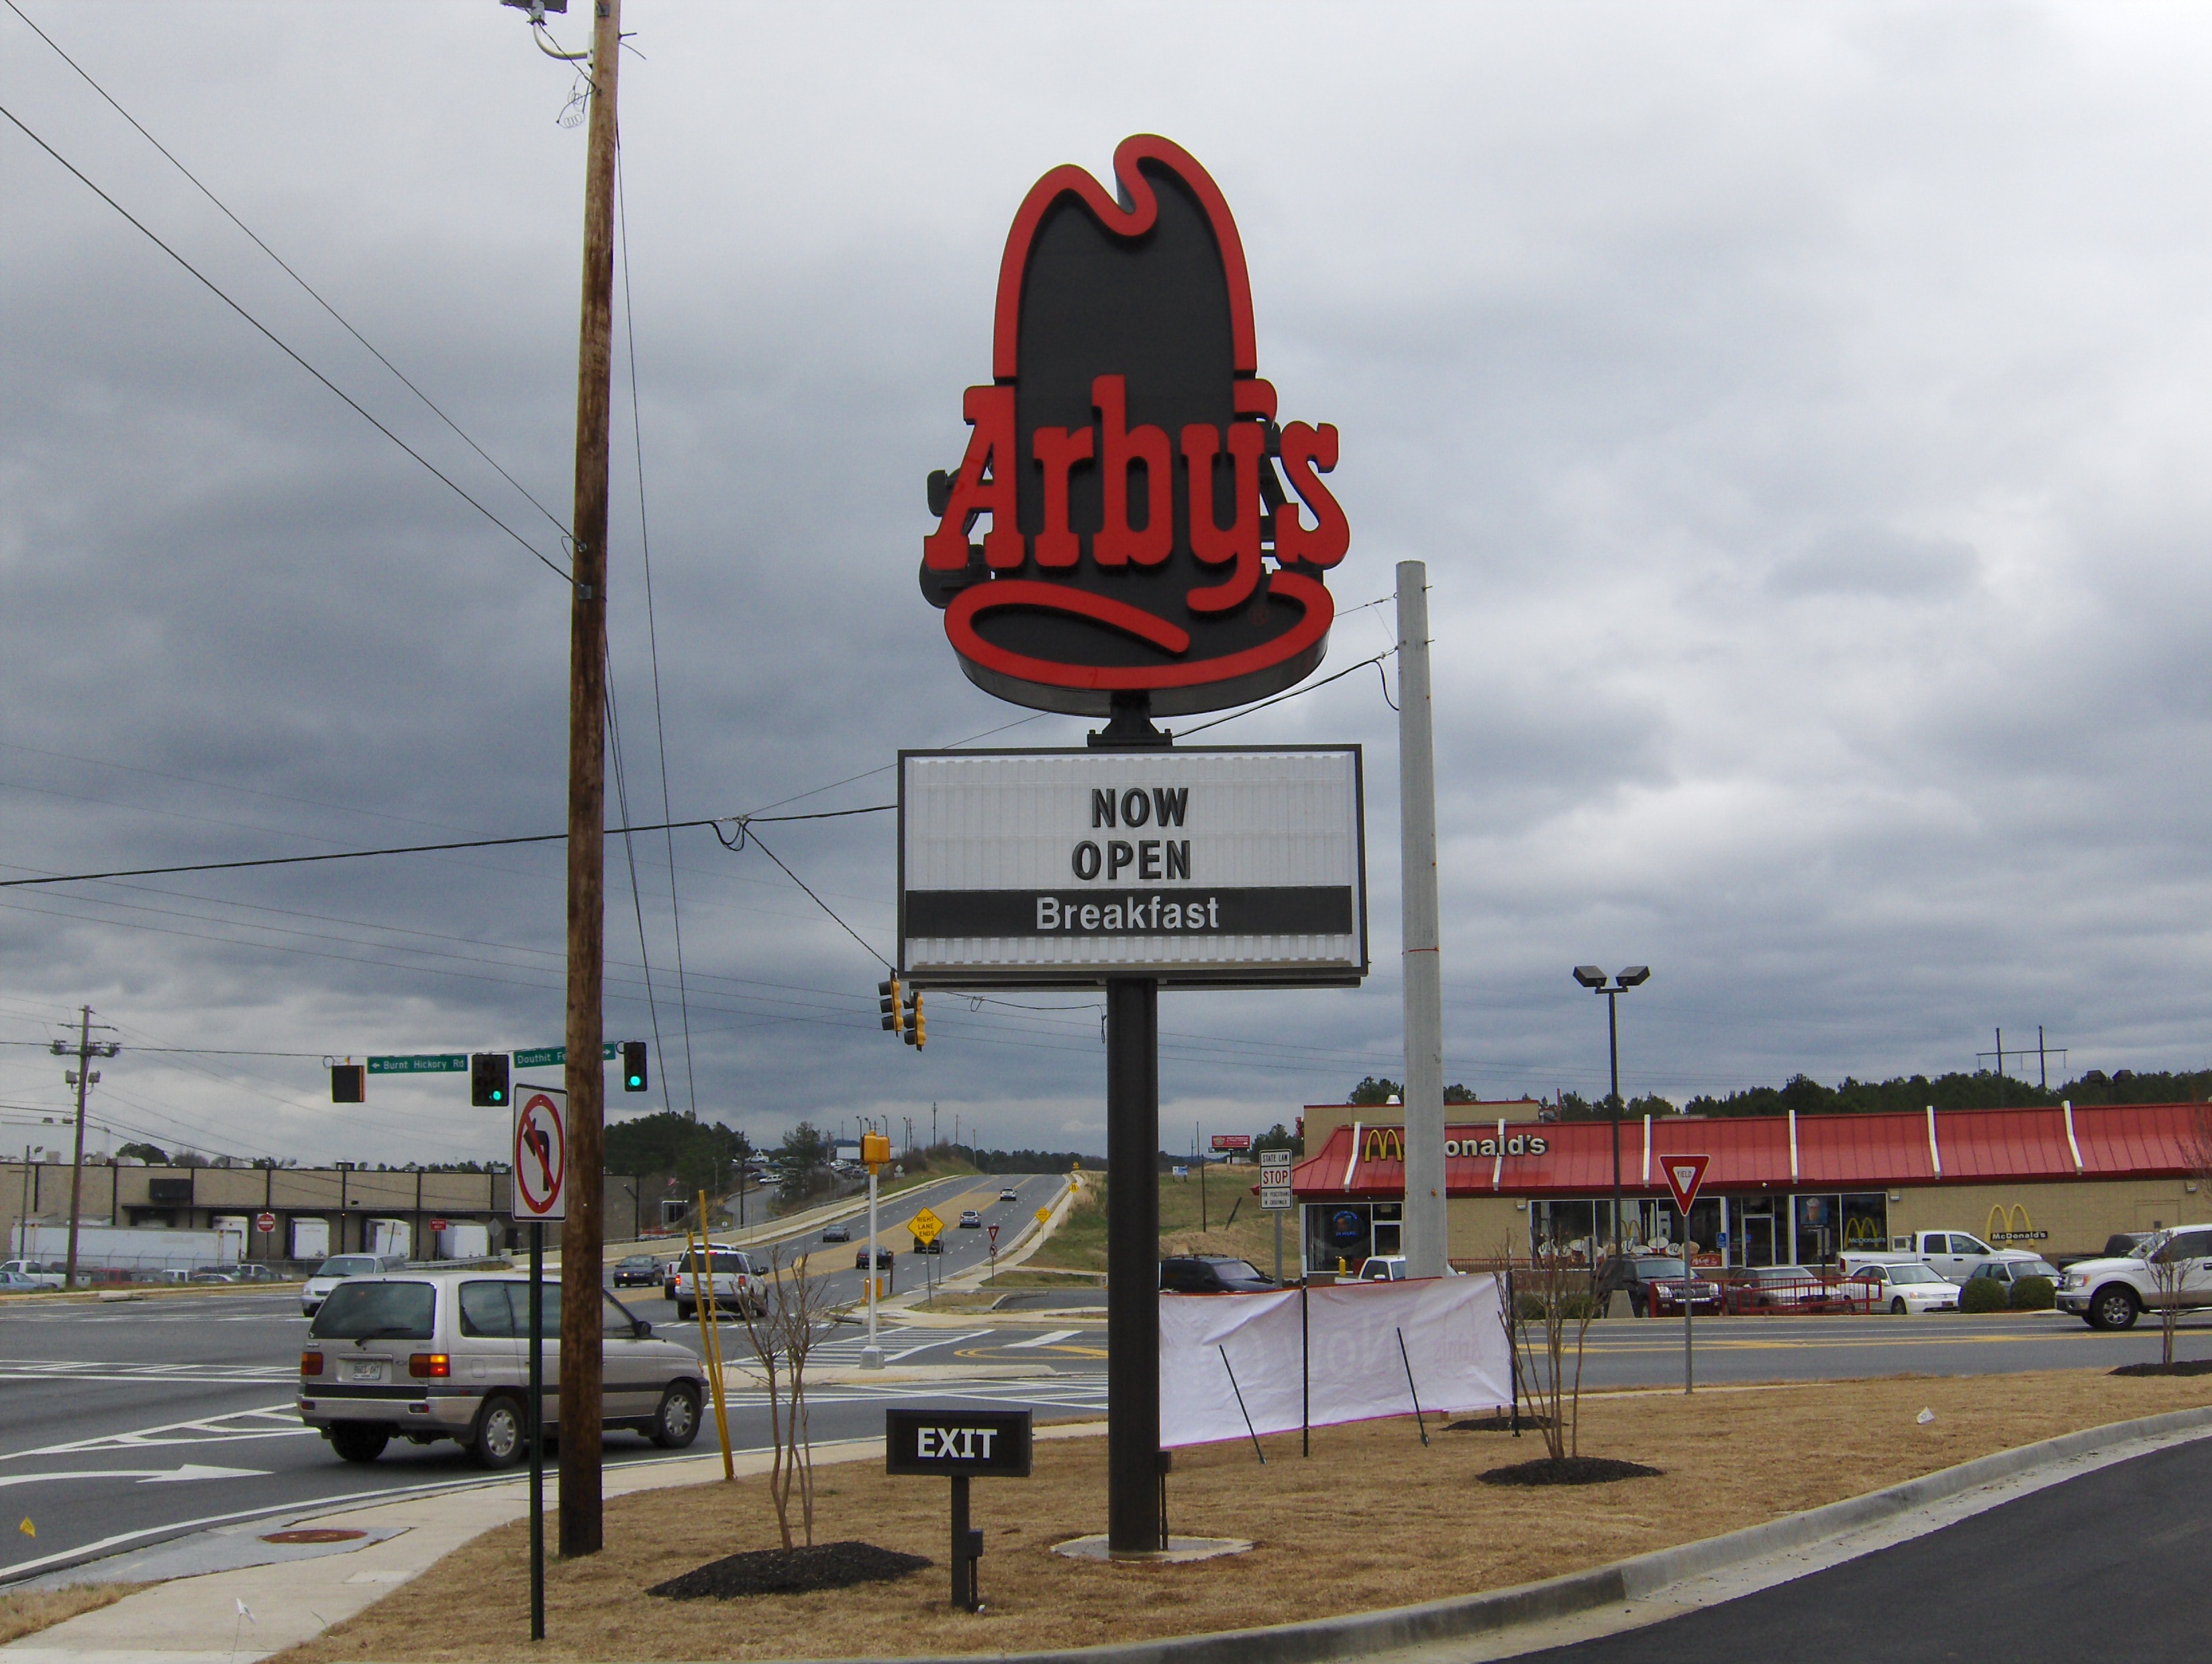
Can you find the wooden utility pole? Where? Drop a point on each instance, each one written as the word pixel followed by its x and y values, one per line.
pixel 583 1234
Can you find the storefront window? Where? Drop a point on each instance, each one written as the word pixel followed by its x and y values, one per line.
pixel 1338 1231
pixel 1866 1222
pixel 1819 1228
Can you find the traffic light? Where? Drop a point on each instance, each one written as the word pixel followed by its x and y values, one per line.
pixel 891 1003
pixel 348 1083
pixel 487 1080
pixel 875 1150
pixel 632 1053
pixel 917 1030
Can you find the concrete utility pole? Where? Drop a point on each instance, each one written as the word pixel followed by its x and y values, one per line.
pixel 583 1234
pixel 82 1077
pixel 1427 1230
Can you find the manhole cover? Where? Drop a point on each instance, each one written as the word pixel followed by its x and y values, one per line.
pixel 321 1534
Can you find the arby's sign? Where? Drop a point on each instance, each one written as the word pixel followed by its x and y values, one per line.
pixel 1131 515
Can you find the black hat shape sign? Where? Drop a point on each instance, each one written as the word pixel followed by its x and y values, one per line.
pixel 1125 454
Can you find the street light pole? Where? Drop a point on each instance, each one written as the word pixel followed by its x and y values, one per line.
pixel 1595 979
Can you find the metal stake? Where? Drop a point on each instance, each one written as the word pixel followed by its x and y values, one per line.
pixel 536 1422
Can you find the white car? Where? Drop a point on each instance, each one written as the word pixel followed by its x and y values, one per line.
pixel 1908 1286
pixel 334 1271
pixel 36 1275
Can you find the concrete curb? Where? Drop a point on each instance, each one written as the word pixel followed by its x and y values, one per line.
pixel 1361 1634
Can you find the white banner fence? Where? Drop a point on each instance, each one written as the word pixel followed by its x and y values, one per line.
pixel 1319 1356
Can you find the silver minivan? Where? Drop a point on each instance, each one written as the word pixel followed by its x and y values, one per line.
pixel 445 1355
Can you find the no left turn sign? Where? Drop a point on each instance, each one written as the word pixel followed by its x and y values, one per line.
pixel 541 1155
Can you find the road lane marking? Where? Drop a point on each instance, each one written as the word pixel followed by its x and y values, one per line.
pixel 1042 1339
pixel 188 1473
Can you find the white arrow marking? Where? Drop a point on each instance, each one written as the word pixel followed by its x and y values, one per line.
pixel 144 1475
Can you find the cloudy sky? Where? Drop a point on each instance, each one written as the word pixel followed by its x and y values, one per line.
pixel 1800 409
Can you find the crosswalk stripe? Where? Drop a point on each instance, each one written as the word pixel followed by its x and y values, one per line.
pixel 1041 1339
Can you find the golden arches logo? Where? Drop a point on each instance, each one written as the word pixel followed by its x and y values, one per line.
pixel 1384 1143
pixel 2012 1224
pixel 1861 1232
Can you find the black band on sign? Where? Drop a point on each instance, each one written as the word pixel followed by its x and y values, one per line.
pixel 1124 910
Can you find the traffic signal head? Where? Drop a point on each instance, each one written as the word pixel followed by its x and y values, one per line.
pixel 488 1072
pixel 917 1033
pixel 348 1083
pixel 890 1002
pixel 633 1062
pixel 875 1150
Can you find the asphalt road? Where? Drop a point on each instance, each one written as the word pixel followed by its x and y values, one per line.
pixel 2104 1567
pixel 124 1423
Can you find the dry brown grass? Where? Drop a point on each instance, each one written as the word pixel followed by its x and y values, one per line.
pixel 29 1611
pixel 1372 1520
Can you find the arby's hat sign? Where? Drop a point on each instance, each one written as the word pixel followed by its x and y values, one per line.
pixel 1153 527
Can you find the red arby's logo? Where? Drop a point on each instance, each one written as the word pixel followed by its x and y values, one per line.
pixel 1152 528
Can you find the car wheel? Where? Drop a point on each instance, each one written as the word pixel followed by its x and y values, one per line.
pixel 675 1421
pixel 1897 1305
pixel 2113 1308
pixel 357 1440
pixel 500 1439
pixel 684 1311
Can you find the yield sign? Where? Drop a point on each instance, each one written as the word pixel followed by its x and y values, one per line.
pixel 1684 1175
pixel 994 1235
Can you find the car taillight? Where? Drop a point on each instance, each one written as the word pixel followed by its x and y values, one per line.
pixel 311 1363
pixel 423 1364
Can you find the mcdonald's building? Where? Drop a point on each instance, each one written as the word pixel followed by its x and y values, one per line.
pixel 1785 1189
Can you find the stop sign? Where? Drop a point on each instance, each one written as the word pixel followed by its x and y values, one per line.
pixel 265 1223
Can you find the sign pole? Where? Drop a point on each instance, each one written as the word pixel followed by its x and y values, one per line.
pixel 536 1424
pixel 1427 1251
pixel 872 1355
pixel 1685 1176
pixel 1132 1269
pixel 1278 1250
pixel 1689 1309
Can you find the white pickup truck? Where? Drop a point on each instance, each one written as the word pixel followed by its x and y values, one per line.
pixel 1952 1254
pixel 2168 1268
pixel 35 1271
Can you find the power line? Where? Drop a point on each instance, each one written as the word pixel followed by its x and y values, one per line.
pixel 433 848
pixel 745 830
pixel 1309 687
pixel 284 266
pixel 276 341
pixel 652 644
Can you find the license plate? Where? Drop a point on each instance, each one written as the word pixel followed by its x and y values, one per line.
pixel 356 1371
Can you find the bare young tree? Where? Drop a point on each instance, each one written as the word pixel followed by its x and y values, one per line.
pixel 793 1310
pixel 1548 1301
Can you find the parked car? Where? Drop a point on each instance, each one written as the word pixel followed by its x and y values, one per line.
pixel 1008 1194
pixel 2121 1243
pixel 1383 1268
pixel 432 1356
pixel 334 1271
pixel 883 1259
pixel 256 1271
pixel 13 1282
pixel 1655 1287
pixel 1775 1289
pixel 971 1220
pixel 1907 1286
pixel 837 1233
pixel 723 1275
pixel 2173 1265
pixel 636 1271
pixel 36 1275
pixel 1212 1273
pixel 2010 1265
pixel 215 1274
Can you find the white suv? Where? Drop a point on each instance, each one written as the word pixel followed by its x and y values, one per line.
pixel 729 1279
pixel 2168 1265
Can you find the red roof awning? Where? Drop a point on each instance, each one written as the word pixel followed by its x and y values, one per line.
pixel 1755 1152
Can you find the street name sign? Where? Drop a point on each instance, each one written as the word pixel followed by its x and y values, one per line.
pixel 434 1063
pixel 1274 1178
pixel 540 1153
pixel 926 1226
pixel 1221 867
pixel 553 1057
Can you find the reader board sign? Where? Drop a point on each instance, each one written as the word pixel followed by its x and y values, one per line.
pixel 957 1443
pixel 1056 868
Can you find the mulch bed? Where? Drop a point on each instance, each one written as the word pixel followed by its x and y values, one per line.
pixel 1574 1470
pixel 790 1571
pixel 1530 1423
pixel 2202 1366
